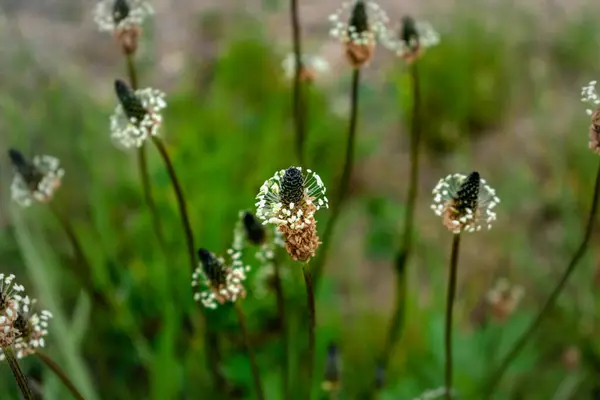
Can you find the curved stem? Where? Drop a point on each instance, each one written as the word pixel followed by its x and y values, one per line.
pixel 310 305
pixel 131 70
pixel 297 99
pixel 253 364
pixel 85 276
pixel 449 308
pixel 284 332
pixel 493 381
pixel 17 373
pixel 344 181
pixel 185 220
pixel 403 254
pixel 58 371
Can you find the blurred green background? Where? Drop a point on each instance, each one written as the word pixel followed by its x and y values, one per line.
pixel 501 95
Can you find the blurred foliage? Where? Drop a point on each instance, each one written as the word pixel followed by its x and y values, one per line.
pixel 225 140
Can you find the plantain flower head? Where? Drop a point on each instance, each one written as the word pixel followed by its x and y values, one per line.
pixel 290 200
pixel 312 66
pixel 34 181
pixel 137 116
pixel 413 39
pixel 333 369
pixel 465 202
pixel 504 298
pixel 589 95
pixel 358 24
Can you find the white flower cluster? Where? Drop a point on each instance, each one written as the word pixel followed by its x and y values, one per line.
pixel 471 220
pixel 107 21
pixel 272 210
pixel 589 95
pixel 377 23
pixel 313 63
pixel 42 189
pixel 131 132
pixel 19 327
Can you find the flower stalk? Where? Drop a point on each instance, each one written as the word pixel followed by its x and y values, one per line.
pixel 17 372
pixel 60 373
pixel 345 179
pixel 451 295
pixel 298 100
pixel 281 312
pixel 496 376
pixel 253 364
pixel 310 305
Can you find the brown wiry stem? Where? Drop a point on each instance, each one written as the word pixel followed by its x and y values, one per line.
pixel 310 305
pixel 344 181
pixel 297 99
pixel 253 365
pixel 403 254
pixel 283 326
pixel 58 371
pixel 449 307
pixel 17 373
pixel 495 377
pixel 143 161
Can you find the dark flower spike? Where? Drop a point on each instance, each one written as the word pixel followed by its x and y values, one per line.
pixel 120 10
pixel 292 186
pixel 215 270
pixel 379 376
pixel 255 232
pixel 466 197
pixel 28 171
pixel 465 203
pixel 332 368
pixel 359 20
pixel 132 105
pixel 409 33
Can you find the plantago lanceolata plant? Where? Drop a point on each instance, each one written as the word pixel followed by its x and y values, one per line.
pixel 413 38
pixel 36 180
pixel 124 19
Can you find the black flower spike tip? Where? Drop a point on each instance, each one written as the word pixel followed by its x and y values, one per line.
pixel 21 325
pixel 292 186
pixel 332 364
pixel 467 194
pixel 120 10
pixel 359 21
pixel 131 104
pixel 255 232
pixel 214 270
pixel 29 172
pixel 408 32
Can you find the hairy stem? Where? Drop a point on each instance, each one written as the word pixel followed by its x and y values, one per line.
pixel 449 308
pixel 344 181
pixel 285 372
pixel 58 371
pixel 254 366
pixel 310 305
pixel 493 381
pixel 404 251
pixel 17 373
pixel 298 101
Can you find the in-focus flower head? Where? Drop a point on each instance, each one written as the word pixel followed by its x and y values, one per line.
pixel 413 38
pixel 590 96
pixel 11 297
pixel 114 15
pixel 358 24
pixel 465 203
pixel 32 328
pixel 504 298
pixel 333 368
pixel 289 200
pixel 312 67
pixel 35 180
pixel 137 116
pixel 216 282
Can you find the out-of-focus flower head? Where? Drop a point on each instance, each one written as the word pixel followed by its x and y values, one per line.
pixel 32 328
pixel 124 19
pixel 590 96
pixel 11 297
pixel 289 200
pixel 35 180
pixel 465 202
pixel 137 116
pixel 413 39
pixel 504 298
pixel 333 369
pixel 312 67
pixel 358 24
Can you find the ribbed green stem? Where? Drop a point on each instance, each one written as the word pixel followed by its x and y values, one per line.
pixel 17 373
pixel 253 364
pixel 60 373
pixel 310 305
pixel 298 99
pixel 449 308
pixel 281 312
